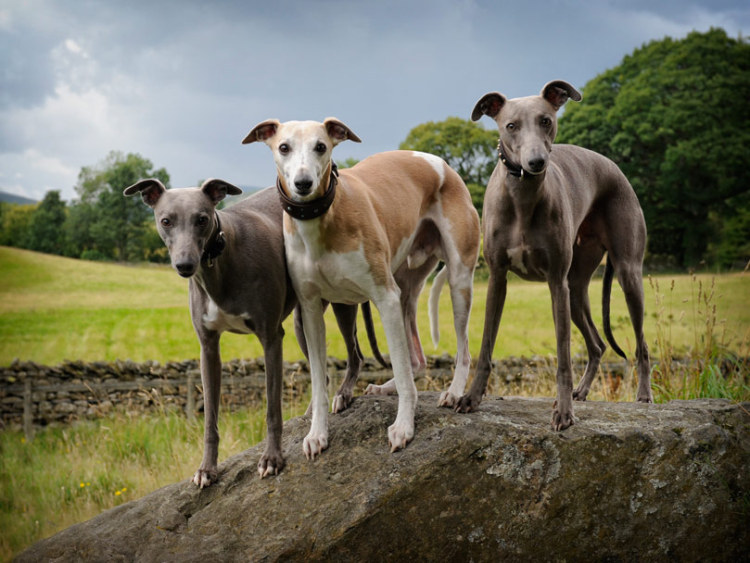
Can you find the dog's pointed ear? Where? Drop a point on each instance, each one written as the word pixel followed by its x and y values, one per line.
pixel 338 132
pixel 263 131
pixel 217 189
pixel 558 92
pixel 150 189
pixel 489 104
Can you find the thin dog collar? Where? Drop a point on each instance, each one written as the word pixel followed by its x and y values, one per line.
pixel 215 246
pixel 307 210
pixel 513 169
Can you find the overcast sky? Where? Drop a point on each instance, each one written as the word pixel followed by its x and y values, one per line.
pixel 182 82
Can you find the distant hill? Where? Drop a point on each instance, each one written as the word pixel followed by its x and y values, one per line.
pixel 5 197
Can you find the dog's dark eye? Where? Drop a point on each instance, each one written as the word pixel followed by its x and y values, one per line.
pixel 202 221
pixel 284 148
pixel 511 126
pixel 320 148
pixel 165 222
pixel 546 122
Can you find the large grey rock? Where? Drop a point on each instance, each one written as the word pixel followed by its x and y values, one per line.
pixel 626 482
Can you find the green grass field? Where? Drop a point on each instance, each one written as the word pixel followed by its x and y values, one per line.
pixel 53 308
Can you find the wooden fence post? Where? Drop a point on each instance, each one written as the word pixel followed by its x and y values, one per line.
pixel 28 416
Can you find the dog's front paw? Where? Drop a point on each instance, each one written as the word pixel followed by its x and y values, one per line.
pixel 467 403
pixel 400 434
pixel 561 418
pixel 204 477
pixel 448 399
pixel 314 444
pixel 341 402
pixel 270 463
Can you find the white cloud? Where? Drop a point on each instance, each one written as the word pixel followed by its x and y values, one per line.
pixel 75 48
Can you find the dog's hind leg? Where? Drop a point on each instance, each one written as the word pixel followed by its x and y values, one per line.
pixel 272 460
pixel 461 288
pixel 631 280
pixel 346 317
pixel 626 232
pixel 410 282
pixel 585 262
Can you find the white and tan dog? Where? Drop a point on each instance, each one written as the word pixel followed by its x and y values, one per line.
pixel 376 236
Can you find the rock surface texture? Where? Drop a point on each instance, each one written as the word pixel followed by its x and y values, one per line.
pixel 626 482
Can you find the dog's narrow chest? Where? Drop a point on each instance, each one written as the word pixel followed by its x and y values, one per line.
pixel 527 262
pixel 217 319
pixel 341 277
pixel 522 249
pixel 525 256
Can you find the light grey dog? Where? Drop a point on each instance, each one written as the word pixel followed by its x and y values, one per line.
pixel 550 214
pixel 236 264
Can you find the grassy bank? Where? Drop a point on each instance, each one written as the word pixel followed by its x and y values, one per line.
pixel 54 308
pixel 68 475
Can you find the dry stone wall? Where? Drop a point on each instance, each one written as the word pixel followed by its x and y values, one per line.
pixel 37 395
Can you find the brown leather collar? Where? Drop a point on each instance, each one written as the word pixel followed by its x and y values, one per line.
pixel 306 210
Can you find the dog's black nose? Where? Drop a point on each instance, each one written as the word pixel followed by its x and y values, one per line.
pixel 303 185
pixel 185 269
pixel 536 165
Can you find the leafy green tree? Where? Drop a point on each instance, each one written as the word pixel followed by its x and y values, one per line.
pixel 15 224
pixel 45 232
pixel 733 247
pixel 675 117
pixel 469 148
pixel 77 227
pixel 104 224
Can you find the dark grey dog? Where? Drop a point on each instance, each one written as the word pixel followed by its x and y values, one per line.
pixel 550 213
pixel 239 283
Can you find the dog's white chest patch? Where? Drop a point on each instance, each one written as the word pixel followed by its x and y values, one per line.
pixel 515 255
pixel 338 277
pixel 220 321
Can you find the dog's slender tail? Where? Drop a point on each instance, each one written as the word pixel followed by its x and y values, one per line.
pixel 609 271
pixel 432 309
pixel 370 328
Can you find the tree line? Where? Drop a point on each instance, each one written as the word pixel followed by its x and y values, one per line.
pixel 100 224
pixel 674 115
